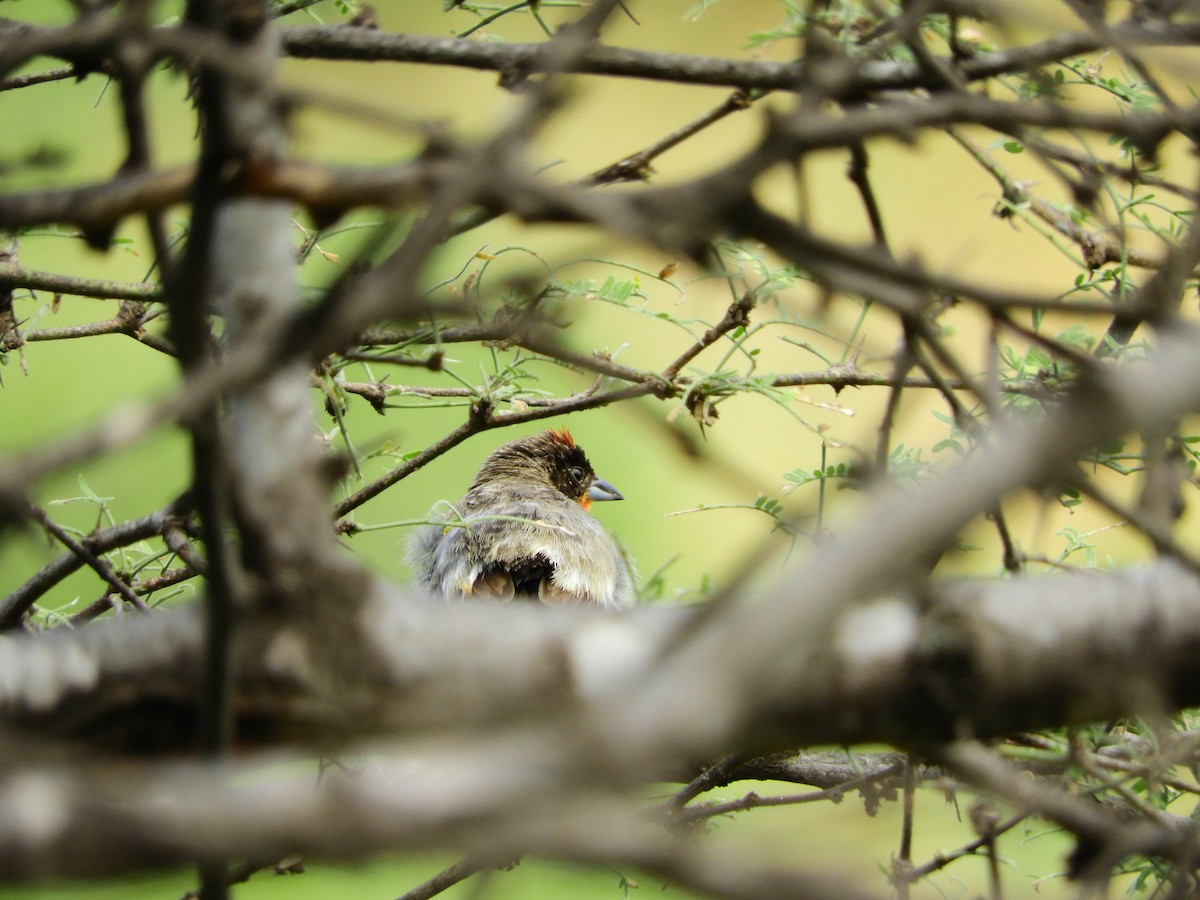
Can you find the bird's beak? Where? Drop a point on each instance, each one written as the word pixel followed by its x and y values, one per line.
pixel 602 490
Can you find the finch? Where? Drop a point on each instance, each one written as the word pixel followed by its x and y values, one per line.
pixel 523 530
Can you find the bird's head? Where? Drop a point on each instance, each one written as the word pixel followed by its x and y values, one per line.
pixel 553 458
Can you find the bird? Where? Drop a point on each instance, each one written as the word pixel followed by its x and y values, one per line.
pixel 524 531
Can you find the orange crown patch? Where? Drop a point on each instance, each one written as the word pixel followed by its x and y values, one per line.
pixel 562 435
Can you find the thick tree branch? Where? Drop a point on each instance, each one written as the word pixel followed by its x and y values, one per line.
pixel 977 660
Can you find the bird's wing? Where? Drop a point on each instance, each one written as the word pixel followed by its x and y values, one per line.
pixel 495 533
pixel 588 568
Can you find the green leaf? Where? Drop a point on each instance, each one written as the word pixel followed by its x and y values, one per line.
pixel 88 494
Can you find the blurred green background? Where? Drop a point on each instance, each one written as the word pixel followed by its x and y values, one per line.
pixel 51 388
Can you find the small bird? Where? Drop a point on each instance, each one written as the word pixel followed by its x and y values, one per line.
pixel 523 530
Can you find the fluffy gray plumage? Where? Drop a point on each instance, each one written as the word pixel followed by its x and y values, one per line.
pixel 523 530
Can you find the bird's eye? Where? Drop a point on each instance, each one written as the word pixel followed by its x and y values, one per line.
pixel 576 473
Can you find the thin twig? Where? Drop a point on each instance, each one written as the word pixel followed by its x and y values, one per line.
pixel 98 565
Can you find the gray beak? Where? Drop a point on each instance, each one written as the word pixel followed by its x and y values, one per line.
pixel 602 490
